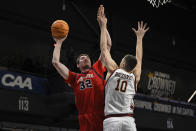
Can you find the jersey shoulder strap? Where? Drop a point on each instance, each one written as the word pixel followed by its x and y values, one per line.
pixel 98 74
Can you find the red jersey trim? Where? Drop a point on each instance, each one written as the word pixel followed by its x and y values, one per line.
pixel 98 75
pixel 118 115
pixel 110 75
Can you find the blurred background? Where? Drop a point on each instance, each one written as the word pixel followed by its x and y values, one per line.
pixel 33 97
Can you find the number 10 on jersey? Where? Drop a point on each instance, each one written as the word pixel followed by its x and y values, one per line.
pixel 121 85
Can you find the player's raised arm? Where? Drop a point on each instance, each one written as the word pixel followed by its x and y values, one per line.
pixel 140 32
pixel 105 54
pixel 62 69
pixel 109 41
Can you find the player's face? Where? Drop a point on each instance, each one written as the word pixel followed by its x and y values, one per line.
pixel 84 63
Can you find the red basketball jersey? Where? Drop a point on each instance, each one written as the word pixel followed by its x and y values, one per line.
pixel 89 95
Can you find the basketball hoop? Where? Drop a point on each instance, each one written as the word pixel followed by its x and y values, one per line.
pixel 157 3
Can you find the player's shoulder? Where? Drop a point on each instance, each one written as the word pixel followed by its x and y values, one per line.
pixel 78 75
pixel 97 63
pixel 118 70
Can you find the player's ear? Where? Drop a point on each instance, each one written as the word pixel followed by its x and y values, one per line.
pixel 78 65
pixel 123 63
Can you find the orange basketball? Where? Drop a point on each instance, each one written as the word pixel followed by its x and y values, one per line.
pixel 59 29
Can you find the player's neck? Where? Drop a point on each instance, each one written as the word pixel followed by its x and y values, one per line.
pixel 127 71
pixel 85 70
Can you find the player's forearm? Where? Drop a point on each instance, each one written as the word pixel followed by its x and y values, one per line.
pixel 56 53
pixel 103 40
pixel 109 41
pixel 139 49
pixel 61 69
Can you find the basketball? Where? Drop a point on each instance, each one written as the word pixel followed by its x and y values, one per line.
pixel 59 29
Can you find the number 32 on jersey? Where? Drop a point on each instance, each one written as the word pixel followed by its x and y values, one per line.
pixel 85 84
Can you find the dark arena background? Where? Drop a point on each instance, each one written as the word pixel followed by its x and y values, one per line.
pixel 33 96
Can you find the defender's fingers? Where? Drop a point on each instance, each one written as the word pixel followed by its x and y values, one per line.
pixel 147 29
pixel 101 6
pixel 133 29
pixel 141 24
pixel 103 10
pixel 145 25
pixel 138 24
pixel 99 11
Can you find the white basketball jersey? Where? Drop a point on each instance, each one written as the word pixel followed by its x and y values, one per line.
pixel 119 93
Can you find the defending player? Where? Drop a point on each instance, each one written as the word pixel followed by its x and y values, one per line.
pixel 121 83
pixel 88 86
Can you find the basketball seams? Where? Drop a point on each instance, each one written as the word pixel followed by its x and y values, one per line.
pixel 59 29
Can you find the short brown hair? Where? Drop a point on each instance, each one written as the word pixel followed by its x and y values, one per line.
pixel 78 58
pixel 130 62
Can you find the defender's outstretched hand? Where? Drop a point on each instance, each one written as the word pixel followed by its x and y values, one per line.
pixel 101 16
pixel 142 29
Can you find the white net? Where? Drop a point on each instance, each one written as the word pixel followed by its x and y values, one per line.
pixel 157 3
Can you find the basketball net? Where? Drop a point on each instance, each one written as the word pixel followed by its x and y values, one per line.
pixel 156 3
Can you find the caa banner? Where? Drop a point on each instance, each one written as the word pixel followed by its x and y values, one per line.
pixel 25 82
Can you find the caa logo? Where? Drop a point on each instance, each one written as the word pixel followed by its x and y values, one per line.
pixel 11 80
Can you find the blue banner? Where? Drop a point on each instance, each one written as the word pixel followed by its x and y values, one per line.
pixel 24 82
pixel 163 113
pixel 164 105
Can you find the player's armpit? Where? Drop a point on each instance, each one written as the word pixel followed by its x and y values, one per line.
pixel 102 61
pixel 71 79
